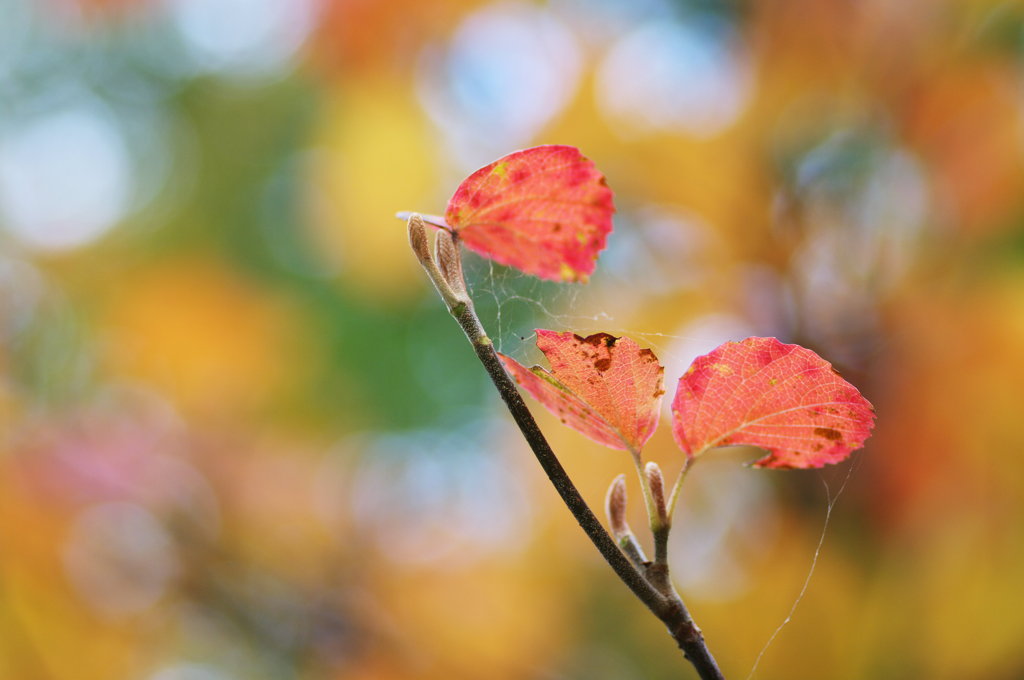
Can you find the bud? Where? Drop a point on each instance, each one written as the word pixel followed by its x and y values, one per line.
pixel 656 483
pixel 615 507
pixel 418 238
pixel 450 261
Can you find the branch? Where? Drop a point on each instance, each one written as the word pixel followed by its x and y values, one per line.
pixel 552 466
pixel 445 271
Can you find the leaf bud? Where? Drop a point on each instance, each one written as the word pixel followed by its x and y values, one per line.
pixel 450 261
pixel 656 483
pixel 418 238
pixel 615 507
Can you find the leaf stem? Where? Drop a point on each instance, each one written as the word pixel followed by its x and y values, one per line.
pixel 646 586
pixel 652 513
pixel 674 496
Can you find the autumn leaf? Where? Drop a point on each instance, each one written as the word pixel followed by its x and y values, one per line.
pixel 545 210
pixel 606 388
pixel 782 398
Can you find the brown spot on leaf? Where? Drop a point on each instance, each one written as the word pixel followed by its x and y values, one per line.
pixel 603 364
pixel 828 433
pixel 648 355
pixel 598 339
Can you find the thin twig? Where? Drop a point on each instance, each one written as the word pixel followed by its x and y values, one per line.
pixel 650 587
pixel 552 466
pixel 670 610
pixel 674 495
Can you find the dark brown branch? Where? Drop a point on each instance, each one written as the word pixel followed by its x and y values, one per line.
pixel 552 466
pixel 670 610
pixel 653 588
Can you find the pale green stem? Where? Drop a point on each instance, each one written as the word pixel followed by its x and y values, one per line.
pixel 674 496
pixel 629 545
pixel 652 512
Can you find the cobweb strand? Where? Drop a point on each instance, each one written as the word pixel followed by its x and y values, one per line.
pixel 830 504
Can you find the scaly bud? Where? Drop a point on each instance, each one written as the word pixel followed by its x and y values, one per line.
pixel 450 261
pixel 615 507
pixel 418 239
pixel 454 296
pixel 656 483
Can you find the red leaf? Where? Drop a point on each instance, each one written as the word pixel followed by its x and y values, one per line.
pixel 604 387
pixel 782 398
pixel 546 211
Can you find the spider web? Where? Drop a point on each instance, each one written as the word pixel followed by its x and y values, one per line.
pixel 511 305
pixel 830 504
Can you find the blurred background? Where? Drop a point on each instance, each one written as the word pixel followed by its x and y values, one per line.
pixel 240 438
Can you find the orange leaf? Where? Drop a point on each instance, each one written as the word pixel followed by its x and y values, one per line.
pixel 604 387
pixel 782 398
pixel 546 211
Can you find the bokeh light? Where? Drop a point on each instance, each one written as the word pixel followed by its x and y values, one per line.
pixel 510 68
pixel 242 37
pixel 65 179
pixel 668 76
